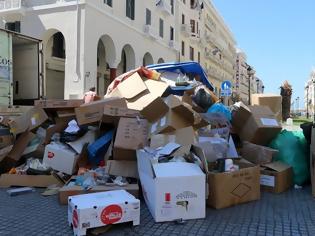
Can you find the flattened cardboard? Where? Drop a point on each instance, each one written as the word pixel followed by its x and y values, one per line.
pixel 257 154
pixel 15 154
pixel 40 181
pixel 29 120
pixel 273 101
pixel 276 177
pixel 240 117
pixel 93 112
pixel 71 190
pixel 122 168
pixel 58 103
pixel 6 140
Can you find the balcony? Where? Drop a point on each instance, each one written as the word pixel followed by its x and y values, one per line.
pixel 195 38
pixel 173 45
pixel 164 6
pixel 150 32
pixel 12 7
pixel 185 29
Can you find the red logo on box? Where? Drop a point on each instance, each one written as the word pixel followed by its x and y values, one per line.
pixel 111 214
pixel 50 155
pixel 75 219
pixel 167 197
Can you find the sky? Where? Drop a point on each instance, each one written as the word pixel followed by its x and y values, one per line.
pixel 278 37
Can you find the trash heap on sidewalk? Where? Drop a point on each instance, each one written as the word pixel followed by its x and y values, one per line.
pixel 180 153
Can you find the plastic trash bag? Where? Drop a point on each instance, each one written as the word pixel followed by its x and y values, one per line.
pixel 292 147
pixel 202 99
pixel 220 108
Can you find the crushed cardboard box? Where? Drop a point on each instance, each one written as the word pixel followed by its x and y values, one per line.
pixel 256 124
pixel 58 103
pixel 273 101
pixel 257 154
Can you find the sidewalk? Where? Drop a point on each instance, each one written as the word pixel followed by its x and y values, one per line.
pixel 290 213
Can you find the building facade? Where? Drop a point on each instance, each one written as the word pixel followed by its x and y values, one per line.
pixel 309 94
pixel 87 43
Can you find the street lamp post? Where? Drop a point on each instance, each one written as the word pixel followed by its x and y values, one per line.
pixel 313 100
pixel 307 114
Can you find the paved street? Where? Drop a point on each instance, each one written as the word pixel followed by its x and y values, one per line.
pixel 290 213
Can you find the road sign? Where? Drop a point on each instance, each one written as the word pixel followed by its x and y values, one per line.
pixel 226 85
pixel 226 89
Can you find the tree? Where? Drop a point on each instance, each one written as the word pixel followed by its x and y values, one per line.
pixel 286 93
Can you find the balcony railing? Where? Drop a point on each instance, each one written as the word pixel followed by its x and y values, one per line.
pixel 13 5
pixel 185 29
pixel 150 32
pixel 173 45
pixel 165 6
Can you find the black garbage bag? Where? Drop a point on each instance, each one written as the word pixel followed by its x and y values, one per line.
pixel 307 131
pixel 203 99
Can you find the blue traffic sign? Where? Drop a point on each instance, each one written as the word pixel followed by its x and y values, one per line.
pixel 226 85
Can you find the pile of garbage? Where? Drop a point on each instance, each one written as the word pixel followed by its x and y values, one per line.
pixel 183 151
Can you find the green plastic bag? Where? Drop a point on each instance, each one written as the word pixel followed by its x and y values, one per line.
pixel 293 150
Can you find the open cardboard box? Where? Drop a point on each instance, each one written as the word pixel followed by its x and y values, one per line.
pixel 143 95
pixel 276 177
pixel 117 168
pixel 230 188
pixel 173 190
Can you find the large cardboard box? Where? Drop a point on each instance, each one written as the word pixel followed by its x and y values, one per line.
pixel 39 181
pixel 173 190
pixel 273 101
pixel 93 112
pixel 6 139
pixel 260 127
pixel 58 103
pixel 132 134
pixel 100 209
pixel 276 177
pixel 60 157
pixel 116 168
pixel 112 114
pixel 230 188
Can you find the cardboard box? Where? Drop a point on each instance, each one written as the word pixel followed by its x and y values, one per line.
pixel 93 112
pixel 273 101
pixel 143 95
pixel 61 158
pixel 184 137
pixel 58 103
pixel 132 134
pixel 30 120
pixel 116 168
pixel 40 181
pixel 260 127
pixel 276 177
pixel 100 209
pixel 257 154
pixel 173 190
pixel 230 188
pixel 12 158
pixel 112 114
pixel 6 139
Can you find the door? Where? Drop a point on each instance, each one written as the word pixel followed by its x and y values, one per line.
pixel 5 69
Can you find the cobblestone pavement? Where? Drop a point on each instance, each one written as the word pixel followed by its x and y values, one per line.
pixel 290 213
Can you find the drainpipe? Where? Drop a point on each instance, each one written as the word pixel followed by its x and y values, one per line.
pixel 78 69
